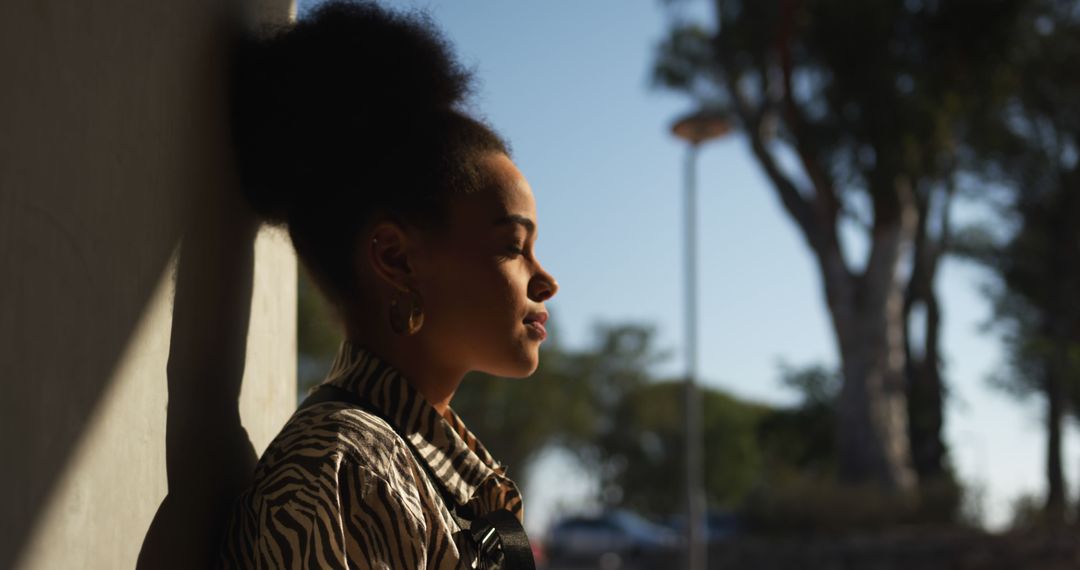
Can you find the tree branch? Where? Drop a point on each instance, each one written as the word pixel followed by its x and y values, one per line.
pixel 751 115
pixel 826 201
pixel 894 225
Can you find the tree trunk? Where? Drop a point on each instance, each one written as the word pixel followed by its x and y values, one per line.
pixel 1057 326
pixel 866 309
pixel 868 317
pixel 925 386
pixel 926 401
pixel 872 412
pixel 1055 477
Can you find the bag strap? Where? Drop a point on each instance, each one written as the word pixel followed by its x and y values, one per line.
pixel 500 539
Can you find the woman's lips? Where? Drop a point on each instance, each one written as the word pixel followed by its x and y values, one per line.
pixel 536 330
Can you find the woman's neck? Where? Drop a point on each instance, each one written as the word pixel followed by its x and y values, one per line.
pixel 435 382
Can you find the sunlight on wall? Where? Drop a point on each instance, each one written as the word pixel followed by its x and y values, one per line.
pixel 271 345
pixel 121 449
pixel 115 477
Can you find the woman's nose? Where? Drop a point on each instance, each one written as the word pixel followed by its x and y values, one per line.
pixel 542 286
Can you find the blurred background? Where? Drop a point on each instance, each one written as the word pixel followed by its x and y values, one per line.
pixel 889 256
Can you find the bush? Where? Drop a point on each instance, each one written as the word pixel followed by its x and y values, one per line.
pixel 807 505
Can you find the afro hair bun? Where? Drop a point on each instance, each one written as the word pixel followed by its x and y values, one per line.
pixel 334 85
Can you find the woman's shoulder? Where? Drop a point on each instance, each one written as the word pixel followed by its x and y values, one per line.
pixel 337 435
pixel 330 466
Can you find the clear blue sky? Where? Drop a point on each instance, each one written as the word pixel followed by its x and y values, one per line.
pixel 567 82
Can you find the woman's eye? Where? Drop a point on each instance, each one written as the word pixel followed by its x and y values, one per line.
pixel 515 250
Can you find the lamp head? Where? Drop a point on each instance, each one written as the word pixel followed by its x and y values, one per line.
pixel 700 126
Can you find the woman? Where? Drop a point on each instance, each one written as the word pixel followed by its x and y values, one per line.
pixel 416 225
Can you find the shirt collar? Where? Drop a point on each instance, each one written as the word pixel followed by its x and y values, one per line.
pixel 455 457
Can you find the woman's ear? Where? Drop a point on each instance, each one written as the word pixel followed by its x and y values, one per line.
pixel 390 254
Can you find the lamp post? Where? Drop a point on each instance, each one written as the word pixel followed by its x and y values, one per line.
pixel 695 128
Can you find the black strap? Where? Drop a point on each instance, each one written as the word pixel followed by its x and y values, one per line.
pixel 500 539
pixel 502 543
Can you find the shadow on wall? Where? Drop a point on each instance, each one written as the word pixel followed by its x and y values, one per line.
pixel 209 456
pixel 113 148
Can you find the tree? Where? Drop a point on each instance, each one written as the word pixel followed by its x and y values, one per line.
pixel 571 401
pixel 1036 310
pixel 872 100
pixel 797 441
pixel 318 334
pixel 636 460
pixel 1034 139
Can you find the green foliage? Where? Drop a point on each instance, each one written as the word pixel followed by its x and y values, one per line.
pixel 797 490
pixel 1026 513
pixel 605 405
pixel 641 463
pixel 1034 142
pixel 863 91
pixel 625 426
pixel 318 333
pixel 814 505
pixel 516 418
pixel 733 462
pixel 681 58
pixel 817 385
pixel 806 501
pixel 799 440
pixel 570 401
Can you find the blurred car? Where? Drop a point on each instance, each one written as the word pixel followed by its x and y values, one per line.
pixel 719 525
pixel 616 539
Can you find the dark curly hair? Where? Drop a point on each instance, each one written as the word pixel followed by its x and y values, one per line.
pixel 350 113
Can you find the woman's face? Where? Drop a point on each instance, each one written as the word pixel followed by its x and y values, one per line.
pixel 483 288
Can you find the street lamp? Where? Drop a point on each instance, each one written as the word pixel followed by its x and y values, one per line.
pixel 695 128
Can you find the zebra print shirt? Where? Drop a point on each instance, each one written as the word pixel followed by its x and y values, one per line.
pixel 340 488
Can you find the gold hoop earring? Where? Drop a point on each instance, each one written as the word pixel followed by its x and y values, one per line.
pixel 408 321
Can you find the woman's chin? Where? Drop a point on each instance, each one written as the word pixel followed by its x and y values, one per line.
pixel 523 365
pixel 523 371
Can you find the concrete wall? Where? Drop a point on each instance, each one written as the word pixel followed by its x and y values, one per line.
pixel 128 273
